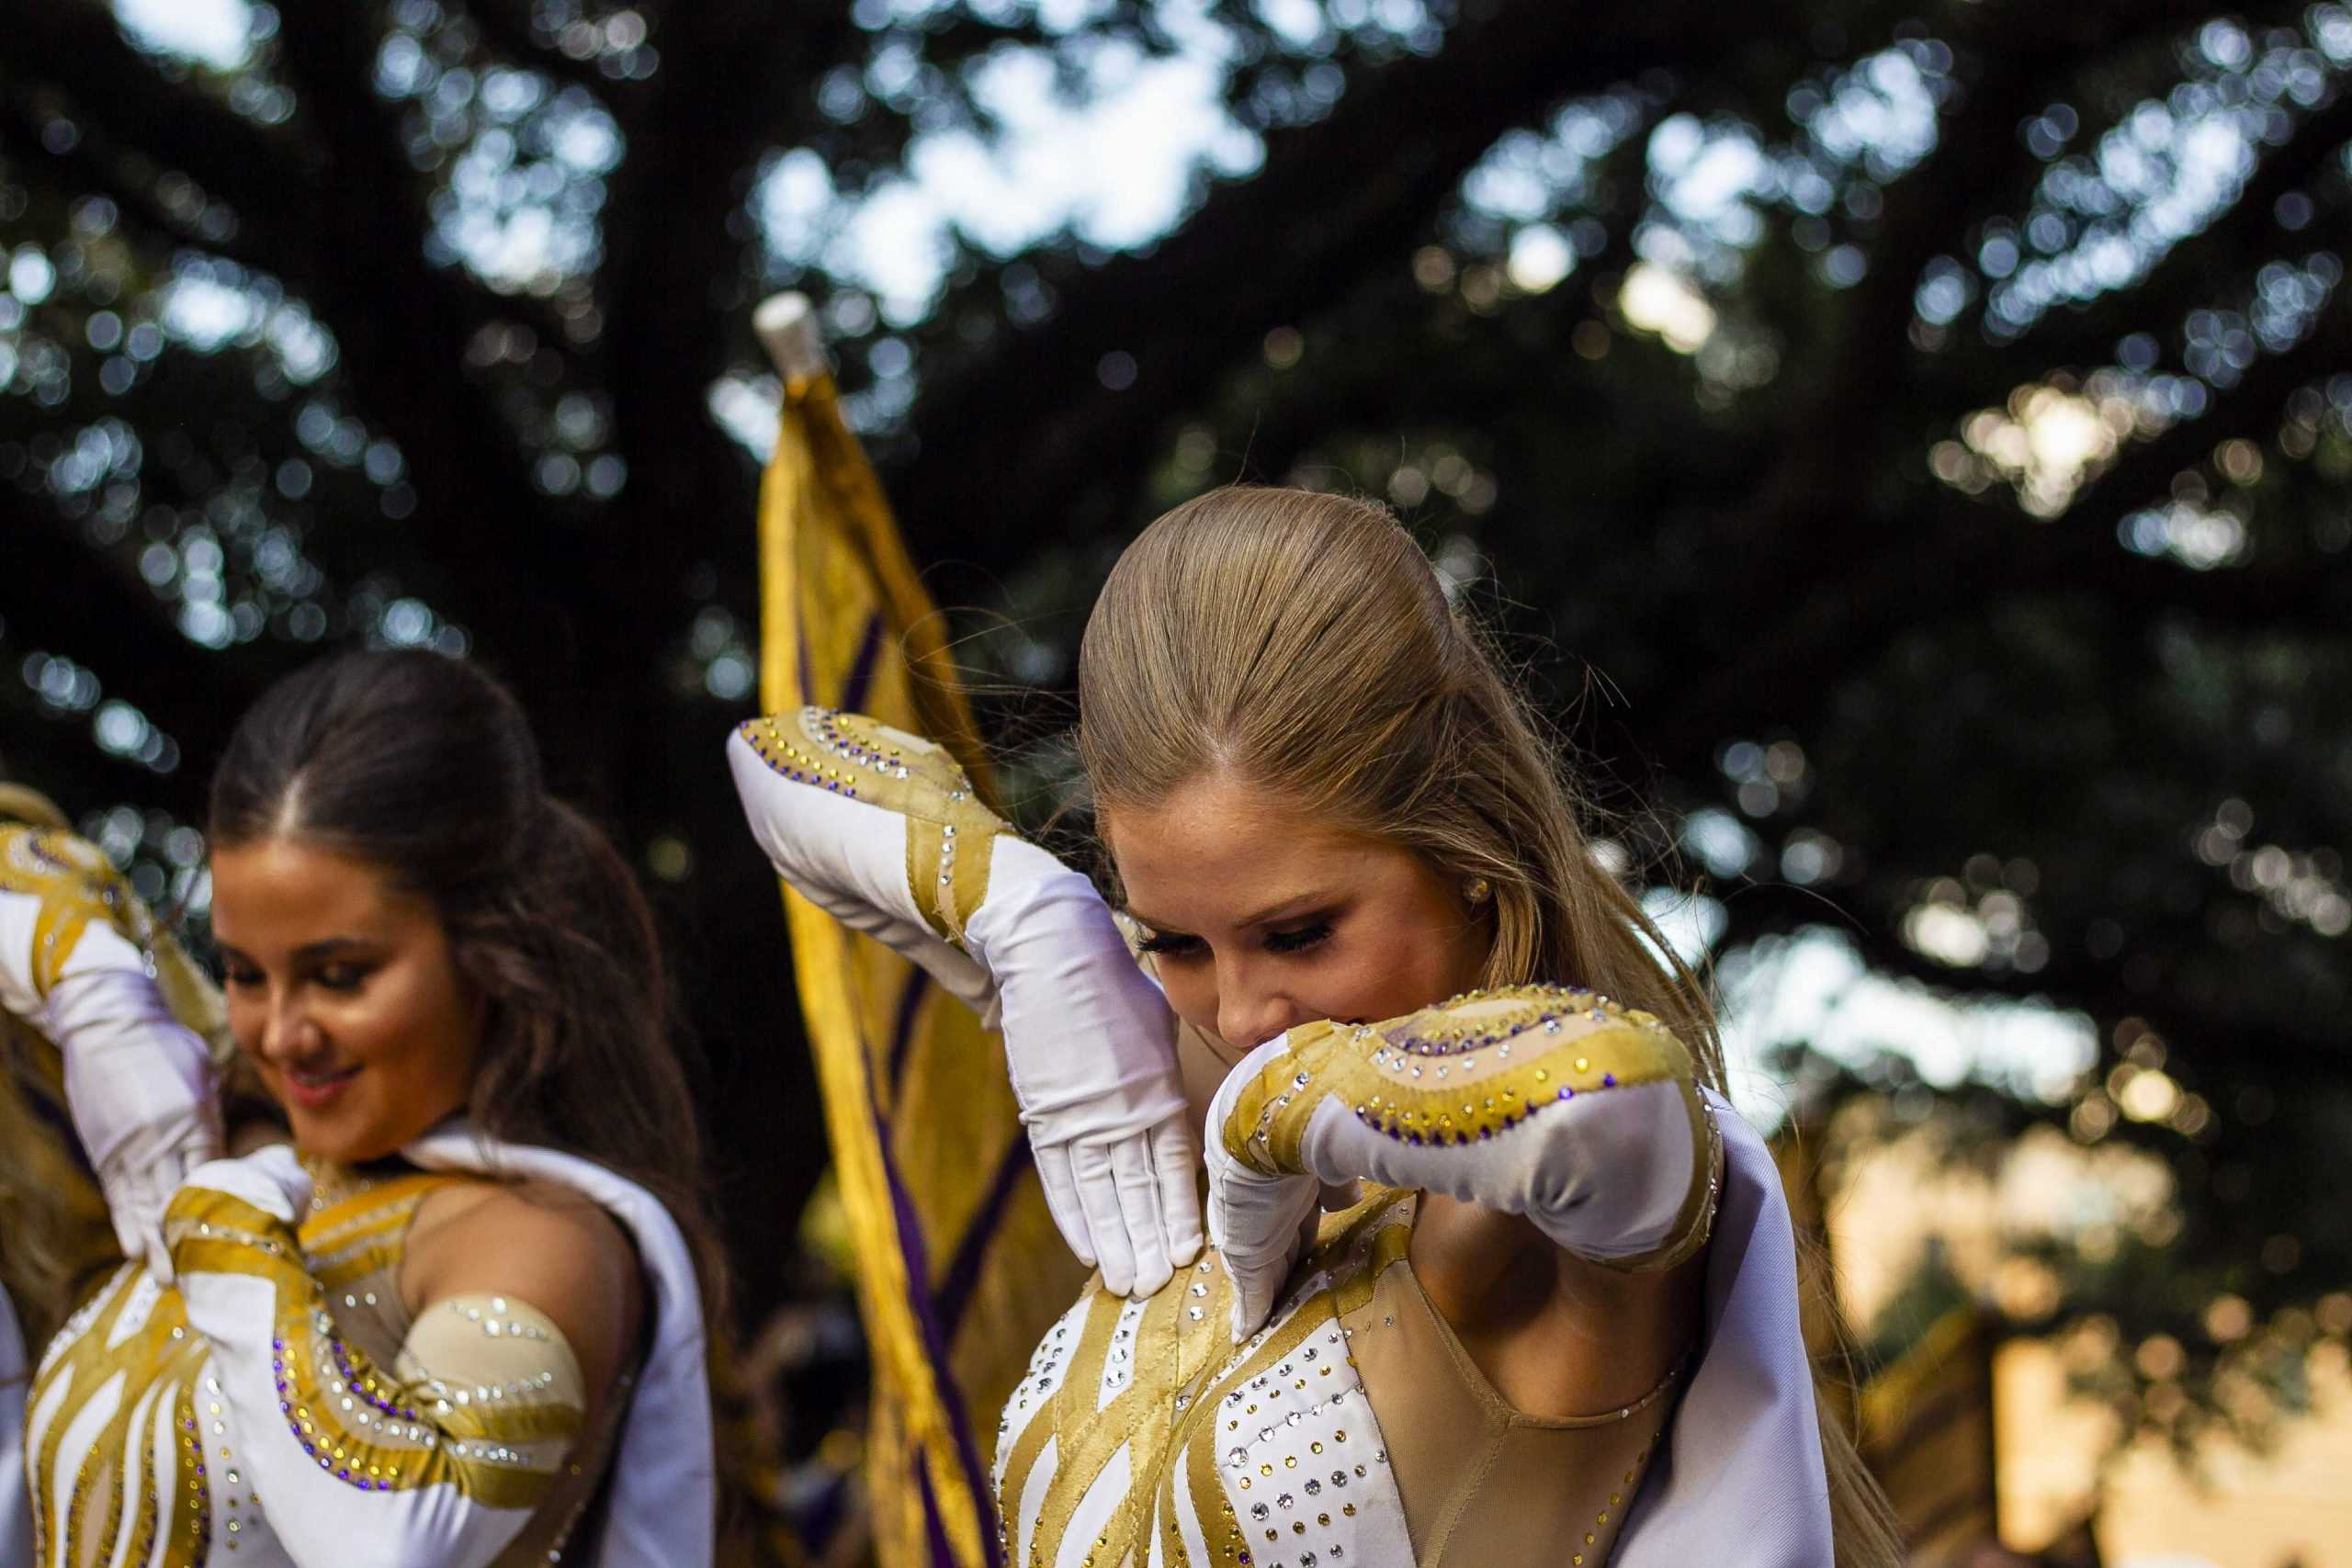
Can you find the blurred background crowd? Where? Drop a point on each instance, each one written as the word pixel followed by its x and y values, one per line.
pixel 1906 443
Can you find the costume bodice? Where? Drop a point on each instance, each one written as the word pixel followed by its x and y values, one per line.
pixel 130 1455
pixel 1351 1429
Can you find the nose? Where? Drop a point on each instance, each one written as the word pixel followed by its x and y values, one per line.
pixel 1249 1010
pixel 289 1035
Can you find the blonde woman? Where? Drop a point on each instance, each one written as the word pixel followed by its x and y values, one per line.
pixel 1506 1279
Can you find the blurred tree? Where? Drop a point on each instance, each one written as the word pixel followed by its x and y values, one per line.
pixel 1924 428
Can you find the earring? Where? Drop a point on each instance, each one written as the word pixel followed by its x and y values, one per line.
pixel 1477 890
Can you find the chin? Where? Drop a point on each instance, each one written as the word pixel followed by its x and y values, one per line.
pixel 344 1140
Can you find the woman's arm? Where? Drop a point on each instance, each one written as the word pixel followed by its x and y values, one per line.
pixel 1578 1115
pixel 522 1324
pixel 882 830
pixel 138 1083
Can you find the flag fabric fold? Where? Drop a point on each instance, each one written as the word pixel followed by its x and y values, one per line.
pixel 958 1267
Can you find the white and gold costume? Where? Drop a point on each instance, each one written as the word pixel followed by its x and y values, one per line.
pixel 275 1405
pixel 1351 1428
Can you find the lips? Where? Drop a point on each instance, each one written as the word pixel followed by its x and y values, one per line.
pixel 314 1089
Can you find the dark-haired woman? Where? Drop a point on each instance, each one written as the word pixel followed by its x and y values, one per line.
pixel 461 1320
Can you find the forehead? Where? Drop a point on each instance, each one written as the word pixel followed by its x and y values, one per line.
pixel 282 892
pixel 1216 852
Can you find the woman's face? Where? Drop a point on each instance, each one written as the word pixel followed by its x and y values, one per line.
pixel 1258 918
pixel 342 994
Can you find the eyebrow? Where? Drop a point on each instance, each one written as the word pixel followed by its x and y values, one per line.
pixel 1300 904
pixel 325 947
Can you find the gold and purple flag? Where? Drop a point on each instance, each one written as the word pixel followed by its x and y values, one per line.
pixel 959 1270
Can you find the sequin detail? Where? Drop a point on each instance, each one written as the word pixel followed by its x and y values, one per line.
pixel 951 832
pixel 1501 1057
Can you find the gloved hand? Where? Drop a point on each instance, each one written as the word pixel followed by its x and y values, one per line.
pixel 271 1178
pixel 881 830
pixel 139 1087
pixel 1540 1101
pixel 1259 1223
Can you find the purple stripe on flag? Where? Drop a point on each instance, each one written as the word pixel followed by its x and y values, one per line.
pixel 902 1029
pixel 933 1527
pixel 861 667
pixel 917 1258
pixel 964 1268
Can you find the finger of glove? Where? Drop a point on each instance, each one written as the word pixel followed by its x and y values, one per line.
pixel 1098 1195
pixel 138 1230
pixel 1256 1287
pixel 1172 1157
pixel 1061 1200
pixel 1136 1178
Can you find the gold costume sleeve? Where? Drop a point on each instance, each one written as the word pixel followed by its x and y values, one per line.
pixel 1543 1101
pixel 441 1458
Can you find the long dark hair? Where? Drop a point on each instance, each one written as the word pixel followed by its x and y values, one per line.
pixel 425 766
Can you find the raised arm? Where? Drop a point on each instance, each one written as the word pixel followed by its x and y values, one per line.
pixel 882 830
pixel 1553 1104
pixel 75 964
pixel 443 1456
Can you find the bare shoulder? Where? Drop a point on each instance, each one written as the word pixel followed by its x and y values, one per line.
pixel 538 1242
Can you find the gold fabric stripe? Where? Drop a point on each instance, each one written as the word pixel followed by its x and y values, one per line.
pixel 389 1203
pixel 1247 1125
pixel 1083 1372
pixel 1323 1307
pixel 458 1439
pixel 57 931
pixel 75 884
pixel 1406 1095
pixel 122 1452
pixel 1087 1446
pixel 951 833
pixel 925 843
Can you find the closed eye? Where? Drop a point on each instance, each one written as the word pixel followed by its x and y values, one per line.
pixel 1170 944
pixel 1300 939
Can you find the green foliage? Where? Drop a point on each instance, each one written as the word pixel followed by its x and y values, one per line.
pixel 1908 447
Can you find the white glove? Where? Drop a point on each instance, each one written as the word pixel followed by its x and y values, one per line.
pixel 1259 1223
pixel 1538 1101
pixel 271 1178
pixel 139 1087
pixel 1022 939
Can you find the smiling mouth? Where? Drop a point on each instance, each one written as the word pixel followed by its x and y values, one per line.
pixel 313 1088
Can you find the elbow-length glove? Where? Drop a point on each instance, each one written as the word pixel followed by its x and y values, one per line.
pixel 882 830
pixel 442 1457
pixel 1538 1101
pixel 139 1084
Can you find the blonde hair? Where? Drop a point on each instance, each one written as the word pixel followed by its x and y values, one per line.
pixel 1301 641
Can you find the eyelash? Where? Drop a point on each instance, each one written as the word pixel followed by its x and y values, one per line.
pixel 1169 946
pixel 1299 941
pixel 334 978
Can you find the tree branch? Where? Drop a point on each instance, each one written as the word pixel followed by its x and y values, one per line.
pixel 1970 553
pixel 75 49
pixel 92 610
pixel 1334 201
pixel 510 32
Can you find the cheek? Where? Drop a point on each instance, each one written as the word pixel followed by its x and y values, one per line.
pixel 1395 973
pixel 1192 992
pixel 246 1018
pixel 414 1024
